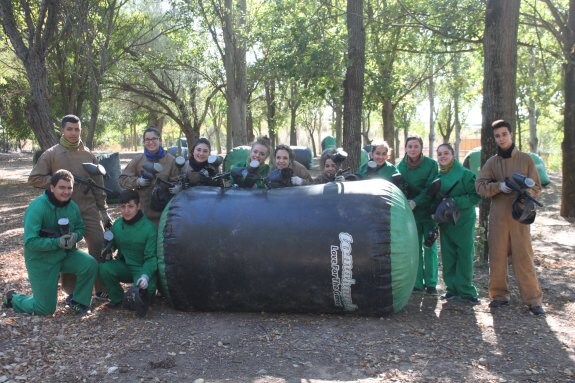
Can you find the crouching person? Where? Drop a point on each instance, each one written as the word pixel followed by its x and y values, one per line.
pixel 52 226
pixel 136 260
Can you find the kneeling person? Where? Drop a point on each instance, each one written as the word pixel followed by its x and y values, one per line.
pixel 52 226
pixel 135 239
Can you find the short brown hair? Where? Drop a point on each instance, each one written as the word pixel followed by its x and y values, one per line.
pixel 501 124
pixel 61 174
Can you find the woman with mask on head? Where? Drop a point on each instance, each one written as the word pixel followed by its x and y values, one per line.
pixel 380 167
pixel 255 165
pixel 287 171
pixel 457 227
pixel 163 168
pixel 418 172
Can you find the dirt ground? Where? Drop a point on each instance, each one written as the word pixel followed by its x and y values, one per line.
pixel 428 341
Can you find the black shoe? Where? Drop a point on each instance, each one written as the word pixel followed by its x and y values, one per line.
pixel 431 291
pixel 537 310
pixel 113 306
pixel 448 296
pixel 498 303
pixel 7 299
pixel 418 289
pixel 102 295
pixel 69 299
pixel 471 300
pixel 79 308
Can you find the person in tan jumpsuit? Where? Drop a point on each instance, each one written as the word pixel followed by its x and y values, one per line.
pixel 507 236
pixel 131 177
pixel 69 154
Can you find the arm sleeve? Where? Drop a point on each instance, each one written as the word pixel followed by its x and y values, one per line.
pixel 41 173
pixel 486 185
pixel 150 258
pixel 469 198
pixel 32 226
pixel 423 198
pixel 78 225
pixel 128 178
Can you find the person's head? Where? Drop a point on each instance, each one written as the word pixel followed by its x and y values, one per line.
pixel 201 149
pixel 283 156
pixel 380 152
pixel 152 139
pixel 327 164
pixel 502 134
pixel 129 201
pixel 445 154
pixel 261 149
pixel 71 128
pixel 413 146
pixel 62 185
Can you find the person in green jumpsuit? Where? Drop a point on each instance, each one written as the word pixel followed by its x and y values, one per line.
pixel 135 238
pixel 52 227
pixel 259 152
pixel 380 168
pixel 457 238
pixel 418 172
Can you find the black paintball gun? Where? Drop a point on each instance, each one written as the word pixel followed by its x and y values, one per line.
pixel 279 178
pixel 63 228
pixel 107 248
pixel 92 170
pixel 150 169
pixel 520 184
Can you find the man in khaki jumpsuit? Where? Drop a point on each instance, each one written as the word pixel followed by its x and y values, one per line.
pixel 69 154
pixel 507 236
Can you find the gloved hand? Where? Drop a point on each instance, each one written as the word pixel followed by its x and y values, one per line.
pixel 68 241
pixel 106 219
pixel 504 188
pixel 143 282
pixel 412 204
pixel 295 180
pixel 339 179
pixel 143 182
pixel 175 189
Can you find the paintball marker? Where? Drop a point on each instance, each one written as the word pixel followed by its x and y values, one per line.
pixel 63 228
pixel 339 156
pixel 107 249
pixel 246 177
pixel 279 178
pixel 519 184
pixel 150 169
pixel 92 170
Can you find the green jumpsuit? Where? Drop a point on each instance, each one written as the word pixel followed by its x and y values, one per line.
pixel 136 243
pixel 457 240
pixel 418 180
pixel 45 259
pixel 386 171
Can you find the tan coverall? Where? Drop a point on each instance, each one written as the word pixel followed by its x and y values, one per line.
pixel 130 174
pixel 90 202
pixel 507 236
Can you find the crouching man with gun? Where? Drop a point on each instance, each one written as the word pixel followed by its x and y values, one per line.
pixel 511 213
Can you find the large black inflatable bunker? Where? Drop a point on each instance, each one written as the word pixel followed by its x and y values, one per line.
pixel 338 247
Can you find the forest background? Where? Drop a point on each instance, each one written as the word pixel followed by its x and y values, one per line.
pixel 296 71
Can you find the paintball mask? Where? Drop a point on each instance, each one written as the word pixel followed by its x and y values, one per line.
pixel 431 237
pixel 446 211
pixel 523 210
pixel 136 299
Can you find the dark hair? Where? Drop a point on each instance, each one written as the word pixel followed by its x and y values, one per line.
pixel 129 195
pixel 414 137
pixel 153 130
pixel 69 118
pixel 291 154
pixel 201 140
pixel 61 174
pixel 265 141
pixel 375 144
pixel 448 147
pixel 501 124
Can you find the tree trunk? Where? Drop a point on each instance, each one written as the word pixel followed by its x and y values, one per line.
pixel 337 106
pixel 41 28
pixel 431 96
pixel 499 82
pixel 388 126
pixel 568 144
pixel 353 83
pixel 270 92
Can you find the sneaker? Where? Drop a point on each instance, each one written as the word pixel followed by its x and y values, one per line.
pixel 448 296
pixel 498 303
pixel 472 300
pixel 418 289
pixel 102 295
pixel 79 308
pixel 69 299
pixel 537 310
pixel 431 291
pixel 7 299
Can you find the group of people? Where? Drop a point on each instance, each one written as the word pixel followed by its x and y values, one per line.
pixel 429 186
